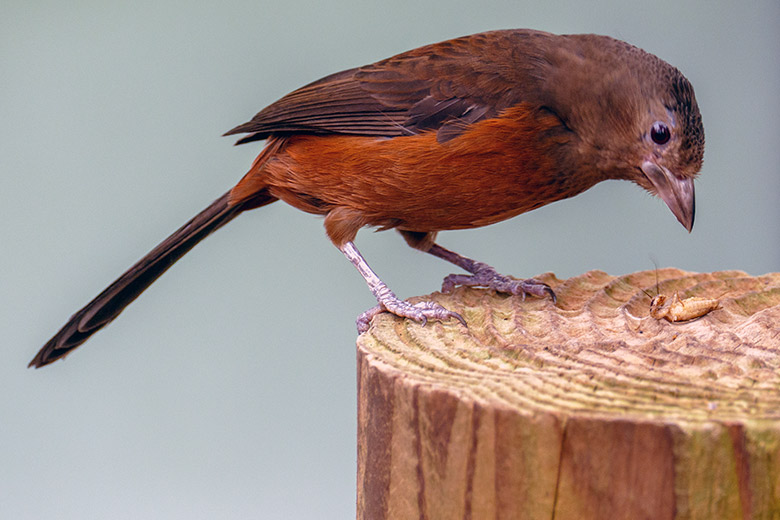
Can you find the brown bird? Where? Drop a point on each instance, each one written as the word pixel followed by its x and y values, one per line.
pixel 454 135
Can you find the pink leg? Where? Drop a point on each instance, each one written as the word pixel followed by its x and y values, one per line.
pixel 388 301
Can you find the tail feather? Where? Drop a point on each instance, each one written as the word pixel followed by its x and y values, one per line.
pixel 108 304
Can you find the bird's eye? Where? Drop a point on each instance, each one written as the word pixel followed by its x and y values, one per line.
pixel 660 133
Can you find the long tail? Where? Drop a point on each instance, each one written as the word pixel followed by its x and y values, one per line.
pixel 107 305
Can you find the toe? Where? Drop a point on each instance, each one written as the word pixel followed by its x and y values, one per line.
pixel 420 312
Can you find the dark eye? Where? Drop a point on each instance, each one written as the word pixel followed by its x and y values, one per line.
pixel 660 133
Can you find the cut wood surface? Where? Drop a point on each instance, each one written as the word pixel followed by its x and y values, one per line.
pixel 590 408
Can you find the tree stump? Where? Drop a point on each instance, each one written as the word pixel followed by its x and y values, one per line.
pixel 590 408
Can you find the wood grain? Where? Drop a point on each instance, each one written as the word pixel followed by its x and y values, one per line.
pixel 587 409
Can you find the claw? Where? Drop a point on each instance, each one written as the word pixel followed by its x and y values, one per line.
pixel 482 275
pixel 420 312
pixel 549 291
pixel 486 276
pixel 364 320
pixel 537 288
pixel 459 318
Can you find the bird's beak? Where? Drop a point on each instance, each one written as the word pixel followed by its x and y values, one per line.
pixel 676 191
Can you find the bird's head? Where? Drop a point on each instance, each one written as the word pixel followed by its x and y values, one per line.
pixel 671 146
pixel 636 118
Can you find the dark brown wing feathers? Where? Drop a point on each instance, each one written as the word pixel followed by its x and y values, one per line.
pixel 335 104
pixel 444 86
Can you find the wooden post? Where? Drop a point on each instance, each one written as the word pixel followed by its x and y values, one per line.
pixel 591 409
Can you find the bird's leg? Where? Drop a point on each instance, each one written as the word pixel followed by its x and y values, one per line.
pixel 483 275
pixel 388 301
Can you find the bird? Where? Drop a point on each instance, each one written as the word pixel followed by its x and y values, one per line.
pixel 453 135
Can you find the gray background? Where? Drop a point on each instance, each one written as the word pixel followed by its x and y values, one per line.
pixel 228 389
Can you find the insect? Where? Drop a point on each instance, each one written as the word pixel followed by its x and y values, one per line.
pixel 676 310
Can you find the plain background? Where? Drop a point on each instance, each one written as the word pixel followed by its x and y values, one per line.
pixel 228 389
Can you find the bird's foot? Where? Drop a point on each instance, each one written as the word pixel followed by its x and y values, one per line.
pixel 420 312
pixel 486 276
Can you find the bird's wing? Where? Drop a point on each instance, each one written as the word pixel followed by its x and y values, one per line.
pixel 443 87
